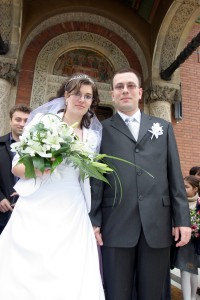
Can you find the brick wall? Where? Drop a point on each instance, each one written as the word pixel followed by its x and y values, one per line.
pixel 187 131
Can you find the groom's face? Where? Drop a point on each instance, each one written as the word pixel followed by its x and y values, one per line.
pixel 126 92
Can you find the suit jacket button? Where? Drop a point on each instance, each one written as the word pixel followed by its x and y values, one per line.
pixel 139 172
pixel 140 197
pixel 137 150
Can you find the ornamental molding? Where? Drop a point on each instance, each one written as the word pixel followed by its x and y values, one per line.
pixel 6 19
pixel 45 84
pixel 94 19
pixel 10 26
pixel 54 83
pixel 157 93
pixel 175 30
pixel 8 72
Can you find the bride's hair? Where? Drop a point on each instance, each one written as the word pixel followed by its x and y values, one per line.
pixel 74 84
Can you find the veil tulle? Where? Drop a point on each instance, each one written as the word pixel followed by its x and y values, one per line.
pixel 52 107
pixel 58 104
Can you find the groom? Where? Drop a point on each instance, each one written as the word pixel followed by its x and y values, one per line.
pixel 134 222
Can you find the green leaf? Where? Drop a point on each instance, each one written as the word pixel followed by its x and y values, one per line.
pixel 87 169
pixel 38 163
pixel 128 162
pixel 63 150
pixel 27 161
pixel 47 163
pixel 56 162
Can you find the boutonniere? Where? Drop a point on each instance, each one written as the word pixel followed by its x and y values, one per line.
pixel 156 130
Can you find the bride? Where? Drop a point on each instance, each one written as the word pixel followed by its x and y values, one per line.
pixel 48 249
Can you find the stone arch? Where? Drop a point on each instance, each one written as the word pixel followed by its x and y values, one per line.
pixel 96 20
pixel 161 94
pixel 171 39
pixel 45 84
pixel 38 42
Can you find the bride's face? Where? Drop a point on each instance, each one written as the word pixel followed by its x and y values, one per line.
pixel 79 102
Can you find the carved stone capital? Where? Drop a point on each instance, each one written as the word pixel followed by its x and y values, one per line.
pixel 8 72
pixel 162 93
pixel 5 87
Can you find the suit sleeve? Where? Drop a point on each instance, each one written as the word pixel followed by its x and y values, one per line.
pixel 5 169
pixel 97 188
pixel 180 207
pixel 2 196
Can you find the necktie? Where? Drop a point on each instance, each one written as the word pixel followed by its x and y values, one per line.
pixel 133 126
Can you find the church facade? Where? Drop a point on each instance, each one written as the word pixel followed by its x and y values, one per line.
pixel 43 42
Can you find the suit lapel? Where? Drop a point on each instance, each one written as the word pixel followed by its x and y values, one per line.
pixel 145 125
pixel 9 151
pixel 6 139
pixel 118 123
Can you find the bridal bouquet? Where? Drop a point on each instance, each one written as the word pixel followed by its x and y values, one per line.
pixel 195 226
pixel 195 222
pixel 47 141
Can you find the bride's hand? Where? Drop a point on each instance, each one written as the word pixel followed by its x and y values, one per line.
pixel 38 173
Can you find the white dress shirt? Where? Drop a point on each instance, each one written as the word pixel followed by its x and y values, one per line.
pixel 133 122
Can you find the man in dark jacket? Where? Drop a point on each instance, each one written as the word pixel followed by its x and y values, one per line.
pixel 133 221
pixel 18 117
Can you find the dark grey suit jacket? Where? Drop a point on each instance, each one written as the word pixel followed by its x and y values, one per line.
pixel 7 180
pixel 146 202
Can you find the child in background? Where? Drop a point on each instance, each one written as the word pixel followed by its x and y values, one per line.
pixel 195 171
pixel 187 259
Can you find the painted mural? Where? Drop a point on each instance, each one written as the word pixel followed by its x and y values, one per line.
pixel 84 61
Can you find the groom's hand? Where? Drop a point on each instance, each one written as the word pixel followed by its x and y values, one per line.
pixel 182 235
pixel 5 206
pixel 98 235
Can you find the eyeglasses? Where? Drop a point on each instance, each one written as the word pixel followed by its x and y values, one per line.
pixel 130 86
pixel 86 97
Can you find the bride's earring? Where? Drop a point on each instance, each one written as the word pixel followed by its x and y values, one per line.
pixel 66 102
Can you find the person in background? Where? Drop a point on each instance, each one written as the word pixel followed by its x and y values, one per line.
pixel 133 224
pixel 195 171
pixel 18 117
pixel 187 258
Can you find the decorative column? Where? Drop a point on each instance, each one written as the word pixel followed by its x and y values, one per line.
pixel 7 80
pixel 10 29
pixel 160 99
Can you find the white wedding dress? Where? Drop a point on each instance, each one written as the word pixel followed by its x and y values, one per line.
pixel 48 249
